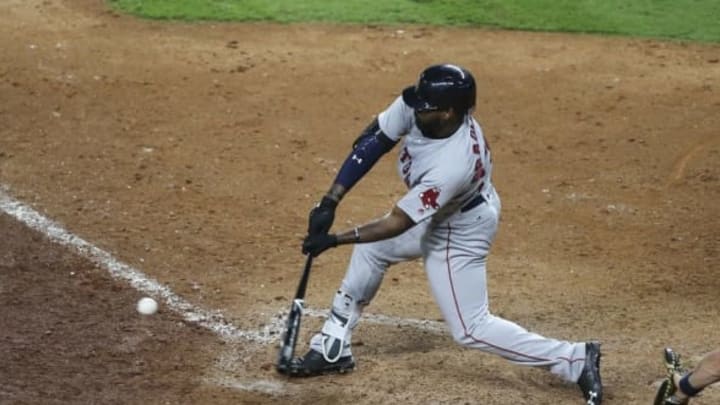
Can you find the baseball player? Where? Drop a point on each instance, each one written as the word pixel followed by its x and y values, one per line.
pixel 449 217
pixel 680 385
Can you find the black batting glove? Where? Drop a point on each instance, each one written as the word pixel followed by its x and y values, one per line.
pixel 322 216
pixel 316 244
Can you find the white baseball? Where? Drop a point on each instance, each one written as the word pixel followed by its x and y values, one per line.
pixel 147 306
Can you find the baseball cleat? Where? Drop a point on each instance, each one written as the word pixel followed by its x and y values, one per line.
pixel 314 364
pixel 667 390
pixel 665 394
pixel 589 381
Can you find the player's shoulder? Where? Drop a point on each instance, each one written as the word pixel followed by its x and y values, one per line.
pixel 476 131
pixel 396 119
pixel 475 124
pixel 403 107
pixel 399 104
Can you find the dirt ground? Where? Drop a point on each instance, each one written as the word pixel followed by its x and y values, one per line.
pixel 193 152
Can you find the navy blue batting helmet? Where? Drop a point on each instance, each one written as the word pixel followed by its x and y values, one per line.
pixel 441 87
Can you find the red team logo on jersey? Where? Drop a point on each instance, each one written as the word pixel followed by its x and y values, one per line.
pixel 429 198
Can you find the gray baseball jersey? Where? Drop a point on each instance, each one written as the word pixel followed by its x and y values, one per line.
pixel 442 174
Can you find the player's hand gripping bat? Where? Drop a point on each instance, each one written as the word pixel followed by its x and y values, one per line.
pixel 287 350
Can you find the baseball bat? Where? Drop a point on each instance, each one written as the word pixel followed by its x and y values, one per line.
pixel 287 350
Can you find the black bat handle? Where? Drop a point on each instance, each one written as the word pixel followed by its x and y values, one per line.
pixel 300 294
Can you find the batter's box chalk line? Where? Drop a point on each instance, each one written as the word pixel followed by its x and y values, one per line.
pixel 223 373
pixel 213 320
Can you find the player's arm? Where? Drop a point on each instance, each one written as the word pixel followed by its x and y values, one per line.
pixel 368 148
pixel 390 225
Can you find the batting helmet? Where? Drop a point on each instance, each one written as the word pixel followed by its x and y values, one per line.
pixel 441 87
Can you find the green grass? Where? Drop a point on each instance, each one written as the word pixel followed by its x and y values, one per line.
pixel 697 20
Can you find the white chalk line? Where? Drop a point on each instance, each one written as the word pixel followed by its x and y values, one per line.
pixel 263 386
pixel 209 319
pixel 379 319
pixel 212 320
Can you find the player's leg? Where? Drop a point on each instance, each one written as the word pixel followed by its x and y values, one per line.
pixel 455 261
pixel 705 373
pixel 330 349
pixel 461 295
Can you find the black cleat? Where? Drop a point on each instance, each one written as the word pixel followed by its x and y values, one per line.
pixel 589 380
pixel 313 364
pixel 666 393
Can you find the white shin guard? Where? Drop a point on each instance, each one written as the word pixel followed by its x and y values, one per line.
pixel 334 340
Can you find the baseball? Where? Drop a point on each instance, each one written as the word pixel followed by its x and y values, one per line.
pixel 147 306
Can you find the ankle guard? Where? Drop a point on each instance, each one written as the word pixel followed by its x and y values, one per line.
pixel 336 334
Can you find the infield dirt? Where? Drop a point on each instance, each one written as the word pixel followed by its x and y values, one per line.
pixel 193 152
